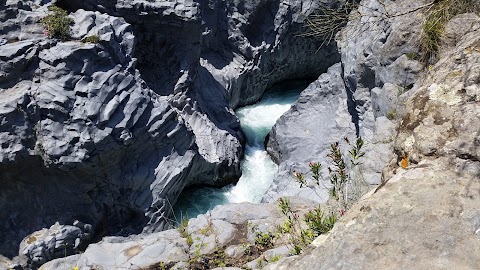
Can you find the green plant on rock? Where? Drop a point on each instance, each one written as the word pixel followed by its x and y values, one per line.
pixel 347 184
pixel 161 266
pixel 95 39
pixel 286 227
pixel 284 205
pixel 296 250
pixel 274 258
pixel 57 23
pixel 411 55
pixel 391 114
pixel 437 15
pixel 338 172
pixel 299 235
pixel 318 222
pixel 346 181
pixel 216 259
pixel 328 21
pixel 264 240
pixel 182 227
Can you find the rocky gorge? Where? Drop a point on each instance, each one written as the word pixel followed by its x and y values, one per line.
pixel 99 139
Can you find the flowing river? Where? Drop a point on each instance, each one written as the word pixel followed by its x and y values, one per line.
pixel 258 169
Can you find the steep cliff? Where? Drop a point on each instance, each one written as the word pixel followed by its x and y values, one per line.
pixel 102 137
pixel 426 215
pixel 353 98
pixel 109 133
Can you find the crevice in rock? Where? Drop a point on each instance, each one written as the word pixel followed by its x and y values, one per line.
pixel 350 87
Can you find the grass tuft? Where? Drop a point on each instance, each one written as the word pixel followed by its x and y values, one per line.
pixel 434 25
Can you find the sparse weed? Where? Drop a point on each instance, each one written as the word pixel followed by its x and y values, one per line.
pixel 391 114
pixel 91 39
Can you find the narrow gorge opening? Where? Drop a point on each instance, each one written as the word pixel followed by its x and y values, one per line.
pixel 258 169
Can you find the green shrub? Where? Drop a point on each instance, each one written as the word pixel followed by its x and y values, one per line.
pixel 284 205
pixel 91 39
pixel 274 258
pixel 318 222
pixel 57 23
pixel 301 234
pixel 264 240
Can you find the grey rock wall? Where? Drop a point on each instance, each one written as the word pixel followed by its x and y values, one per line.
pixel 90 140
pixel 319 118
pixel 425 216
pixel 110 133
pixel 352 99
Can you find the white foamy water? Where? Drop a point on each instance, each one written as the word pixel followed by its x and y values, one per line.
pixel 257 168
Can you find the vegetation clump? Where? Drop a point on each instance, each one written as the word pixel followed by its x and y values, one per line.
pixel 57 23
pixel 391 114
pixel 328 21
pixel 346 186
pixel 302 231
pixel 91 39
pixel 437 15
pixel 319 222
pixel 216 259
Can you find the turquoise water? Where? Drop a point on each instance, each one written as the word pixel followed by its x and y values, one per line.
pixel 258 169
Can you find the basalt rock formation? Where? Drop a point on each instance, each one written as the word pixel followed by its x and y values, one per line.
pixel 102 137
pixel 352 99
pixel 110 133
pixel 425 215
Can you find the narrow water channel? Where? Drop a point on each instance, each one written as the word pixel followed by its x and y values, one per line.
pixel 258 169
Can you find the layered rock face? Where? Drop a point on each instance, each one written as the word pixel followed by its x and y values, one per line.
pixel 352 99
pixel 425 216
pixel 110 133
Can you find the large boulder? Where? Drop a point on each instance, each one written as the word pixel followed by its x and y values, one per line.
pixel 303 134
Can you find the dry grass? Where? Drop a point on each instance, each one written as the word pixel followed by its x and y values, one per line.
pixel 328 21
pixel 437 15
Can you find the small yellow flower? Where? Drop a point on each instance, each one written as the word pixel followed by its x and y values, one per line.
pixel 75 268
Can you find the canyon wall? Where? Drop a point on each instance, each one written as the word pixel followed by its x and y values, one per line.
pixel 109 134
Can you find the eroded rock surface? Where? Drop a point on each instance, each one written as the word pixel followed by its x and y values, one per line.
pixel 230 226
pixel 110 133
pixel 426 215
pixel 303 134
pixel 352 99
